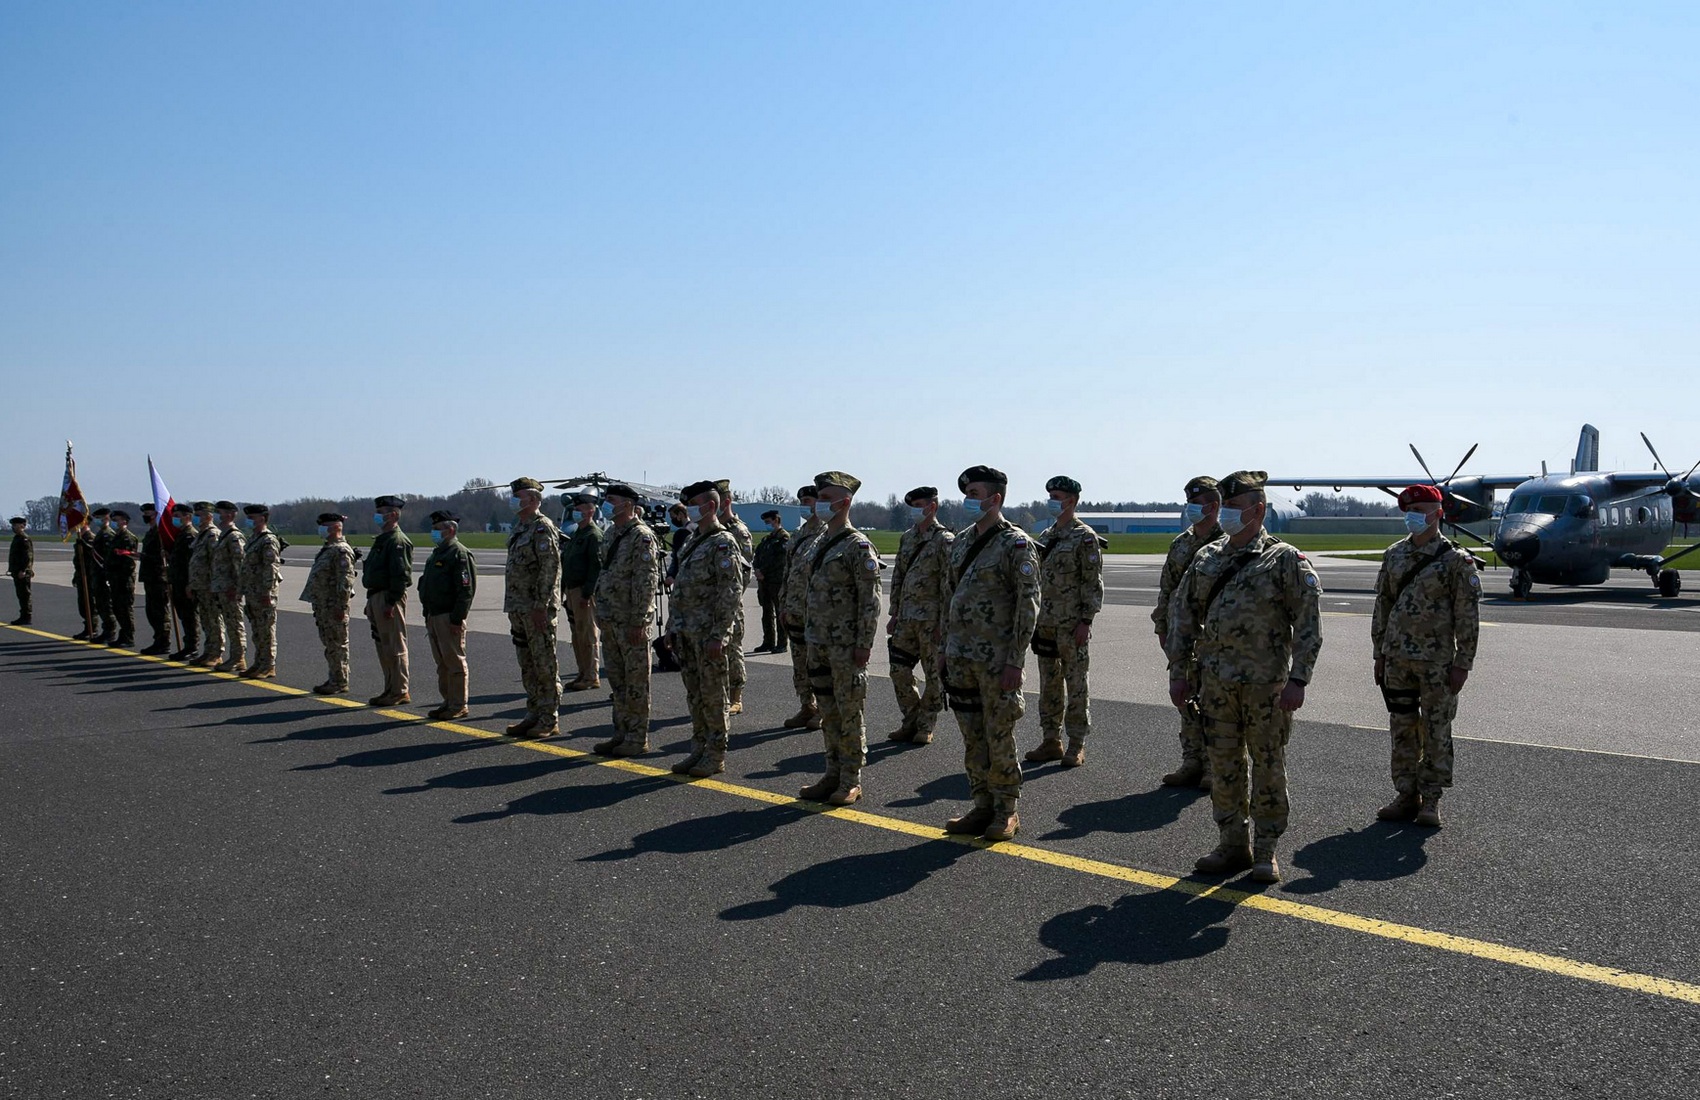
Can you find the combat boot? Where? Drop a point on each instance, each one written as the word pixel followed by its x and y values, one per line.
pixel 523 726
pixel 1226 859
pixel 83 635
pixel 124 641
pixel 181 654
pixel 329 687
pixel 1428 815
pixel 449 714
pixel 818 790
pixel 237 665
pixel 972 823
pixel 606 748
pixel 158 649
pixel 545 728
pixel 1075 754
pixel 1003 826
pixel 205 660
pixel 683 767
pixel 105 637
pixel 1049 749
pixel 630 747
pixel 901 733
pixel 1264 868
pixel 1403 808
pixel 736 704
pixel 922 737
pixel 849 790
pixel 713 762
pixel 1190 773
pixel 803 717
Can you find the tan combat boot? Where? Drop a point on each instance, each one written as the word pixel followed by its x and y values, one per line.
pixel 329 687
pixel 451 713
pixel 922 737
pixel 901 733
pixel 606 748
pixel 820 788
pixel 1403 808
pixel 802 718
pixel 1075 755
pixel 713 762
pixel 1226 859
pixel 1190 773
pixel 1263 866
pixel 523 726
pixel 849 790
pixel 1003 826
pixel 683 767
pixel 1428 815
pixel 1049 749
pixel 631 746
pixel 972 823
pixel 736 704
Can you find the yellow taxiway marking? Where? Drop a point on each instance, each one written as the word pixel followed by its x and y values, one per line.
pixel 1315 914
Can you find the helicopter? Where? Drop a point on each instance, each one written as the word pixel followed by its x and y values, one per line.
pixel 1564 529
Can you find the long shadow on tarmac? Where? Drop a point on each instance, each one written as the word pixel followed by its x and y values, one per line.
pixel 1162 926
pixel 1378 852
pixel 1131 813
pixel 854 880
pixel 391 755
pixel 705 834
pixel 497 775
pixel 574 799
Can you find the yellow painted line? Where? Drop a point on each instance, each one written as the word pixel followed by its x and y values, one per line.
pixel 1558 965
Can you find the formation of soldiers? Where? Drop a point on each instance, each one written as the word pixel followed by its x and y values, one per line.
pixel 1238 618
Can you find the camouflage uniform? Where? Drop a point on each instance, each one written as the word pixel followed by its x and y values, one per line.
pixel 843 616
pixel 101 587
pixel 794 604
pixel 330 589
pixel 625 601
pixel 1186 546
pixel 736 676
pixel 533 577
pixel 704 609
pixel 206 600
pixel 1071 588
pixel 994 607
pixel 227 590
pixel 1263 629
pixel 122 553
pixel 262 573
pixel 1422 632
pixel 920 595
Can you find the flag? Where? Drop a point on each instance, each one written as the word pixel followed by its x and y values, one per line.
pixel 73 506
pixel 162 502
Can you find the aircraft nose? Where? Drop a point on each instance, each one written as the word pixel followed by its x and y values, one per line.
pixel 1518 550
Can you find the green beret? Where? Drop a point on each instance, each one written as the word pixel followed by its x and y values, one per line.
pixel 150 506
pixel 1243 481
pixel 225 506
pixel 444 516
pixel 203 506
pixel 1203 484
pixel 837 479
pixel 586 498
pixel 622 490
pixel 982 473
pixel 695 489
pixel 808 492
pixel 389 502
pixel 1064 483
pixel 921 492
pixel 520 484
pixel 181 510
pixel 256 510
pixel 723 487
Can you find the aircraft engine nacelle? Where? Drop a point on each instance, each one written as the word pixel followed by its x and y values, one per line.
pixel 1477 505
pixel 1685 508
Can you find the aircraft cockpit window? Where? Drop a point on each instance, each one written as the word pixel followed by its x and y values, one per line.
pixel 1551 505
pixel 1517 505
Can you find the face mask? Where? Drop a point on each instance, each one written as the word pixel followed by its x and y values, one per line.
pixel 971 506
pixel 324 532
pixel 176 521
pixel 436 536
pixel 1193 513
pixel 514 503
pixel 823 509
pixel 608 509
pixel 100 525
pixel 378 518
pixel 1230 520
pixel 248 522
pixel 917 514
pixel 1054 506
pixel 1416 522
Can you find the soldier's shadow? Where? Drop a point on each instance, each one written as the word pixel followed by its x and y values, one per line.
pixel 572 799
pixel 412 753
pixel 946 788
pixel 854 880
pixel 1150 929
pixel 496 775
pixel 808 763
pixel 705 834
pixel 1381 851
pixel 1131 813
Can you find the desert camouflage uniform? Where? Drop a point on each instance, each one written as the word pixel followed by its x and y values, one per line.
pixel 1186 546
pixel 843 616
pixel 330 589
pixel 533 582
pixel 227 589
pixel 201 587
pixel 1432 626
pixel 794 604
pixel 625 599
pixel 262 573
pixel 920 595
pixel 994 607
pixel 706 594
pixel 736 675
pixel 1264 628
pixel 1071 592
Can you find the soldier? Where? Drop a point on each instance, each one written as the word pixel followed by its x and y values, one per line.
pixel 702 616
pixel 625 604
pixel 581 561
pixel 227 588
pixel 20 564
pixel 920 596
pixel 1424 630
pixel 842 619
pixel 770 581
pixel 122 553
pixel 101 579
pixel 1247 610
pixel 1071 593
pixel 156 594
pixel 447 586
pixel 1203 502
pixel 201 586
pixel 994 607
pixel 330 589
pixel 736 675
pixel 262 573
pixel 531 600
pixel 87 568
pixel 177 574
pixel 794 608
pixel 386 576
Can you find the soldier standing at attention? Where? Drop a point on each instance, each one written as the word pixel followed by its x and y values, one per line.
pixel 843 617
pixel 701 618
pixel 386 576
pixel 201 586
pixel 581 561
pixel 531 600
pixel 330 589
pixel 1071 593
pixel 124 550
pixel 794 609
pixel 994 607
pixel 1425 629
pixel 1248 610
pixel 20 563
pixel 262 573
pixel 770 581
pixel 920 596
pixel 736 675
pixel 227 587
pixel 625 604
pixel 1203 502
pixel 447 586
pixel 86 568
pixel 156 592
pixel 101 578
pixel 177 574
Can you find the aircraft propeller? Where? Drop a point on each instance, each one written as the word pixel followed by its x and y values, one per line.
pixel 1448 493
pixel 1676 484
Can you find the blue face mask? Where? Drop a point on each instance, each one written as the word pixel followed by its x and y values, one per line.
pixel 436 536
pixel 1230 520
pixel 378 518
pixel 1193 513
pixel 324 532
pixel 917 514
pixel 971 506
pixel 99 525
pixel 248 522
pixel 515 503
pixel 823 509
pixel 176 521
pixel 608 509
pixel 1416 522
pixel 1054 506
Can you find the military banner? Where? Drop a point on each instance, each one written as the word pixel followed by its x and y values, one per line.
pixel 162 502
pixel 73 506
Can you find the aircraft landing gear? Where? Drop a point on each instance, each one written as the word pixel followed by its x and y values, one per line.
pixel 1669 582
pixel 1520 584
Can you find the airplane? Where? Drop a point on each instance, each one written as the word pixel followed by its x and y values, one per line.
pixel 1564 529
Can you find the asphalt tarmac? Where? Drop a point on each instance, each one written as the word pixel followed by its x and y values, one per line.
pixel 215 888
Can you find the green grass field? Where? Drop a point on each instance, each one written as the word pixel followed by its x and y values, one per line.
pixel 1692 561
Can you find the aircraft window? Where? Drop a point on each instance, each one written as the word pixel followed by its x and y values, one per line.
pixel 1517 505
pixel 1614 517
pixel 1552 506
pixel 1641 515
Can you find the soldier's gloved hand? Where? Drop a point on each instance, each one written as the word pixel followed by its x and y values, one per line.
pixel 1292 696
pixel 1011 678
pixel 1455 678
pixel 1380 671
pixel 1179 690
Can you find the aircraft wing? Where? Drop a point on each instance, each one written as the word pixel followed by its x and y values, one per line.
pixel 1639 480
pixel 1492 481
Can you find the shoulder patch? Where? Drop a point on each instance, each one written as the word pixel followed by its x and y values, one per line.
pixel 1021 542
pixel 1475 581
pixel 1310 579
pixel 1026 568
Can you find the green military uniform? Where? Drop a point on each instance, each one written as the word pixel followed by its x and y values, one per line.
pixel 386 575
pixel 1195 762
pixel 793 609
pixel 920 596
pixel 227 558
pixel 262 574
pixel 1071 593
pixel 330 590
pixel 123 552
pixel 625 606
pixel 156 590
pixel 581 561
pixel 703 611
pixel 770 561
pixel 101 585
pixel 177 574
pixel 20 564
pixel 532 593
pixel 201 586
pixel 447 585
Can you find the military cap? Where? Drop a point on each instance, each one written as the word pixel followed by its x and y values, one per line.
pixel 203 506
pixel 119 513
pixel 224 506
pixel 723 487
pixel 695 489
pixel 1202 484
pixel 181 510
pixel 921 492
pixel 521 484
pixel 256 510
pixel 101 512
pixel 981 473
pixel 443 515
pixel 1064 483
pixel 150 507
pixel 1419 494
pixel 1243 481
pixel 837 479
pixel 389 502
pixel 623 490
pixel 770 514
pixel 808 492
pixel 332 517
pixel 18 519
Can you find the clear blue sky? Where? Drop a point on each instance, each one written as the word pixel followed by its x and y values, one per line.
pixel 322 248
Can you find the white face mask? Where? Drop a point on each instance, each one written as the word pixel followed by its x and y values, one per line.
pixel 1416 522
pixel 1230 520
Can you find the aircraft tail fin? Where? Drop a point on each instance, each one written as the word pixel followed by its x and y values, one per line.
pixel 1587 451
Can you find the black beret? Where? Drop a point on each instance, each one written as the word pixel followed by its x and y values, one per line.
pixel 1243 481
pixel 520 484
pixel 1063 483
pixel 119 513
pixel 981 473
pixel 181 510
pixel 837 479
pixel 256 510
pixel 101 512
pixel 389 502
pixel 443 515
pixel 623 490
pixel 18 519
pixel 332 517
pixel 921 492
pixel 203 506
pixel 770 514
pixel 224 506
pixel 808 492
pixel 695 489
pixel 1203 484
pixel 150 507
